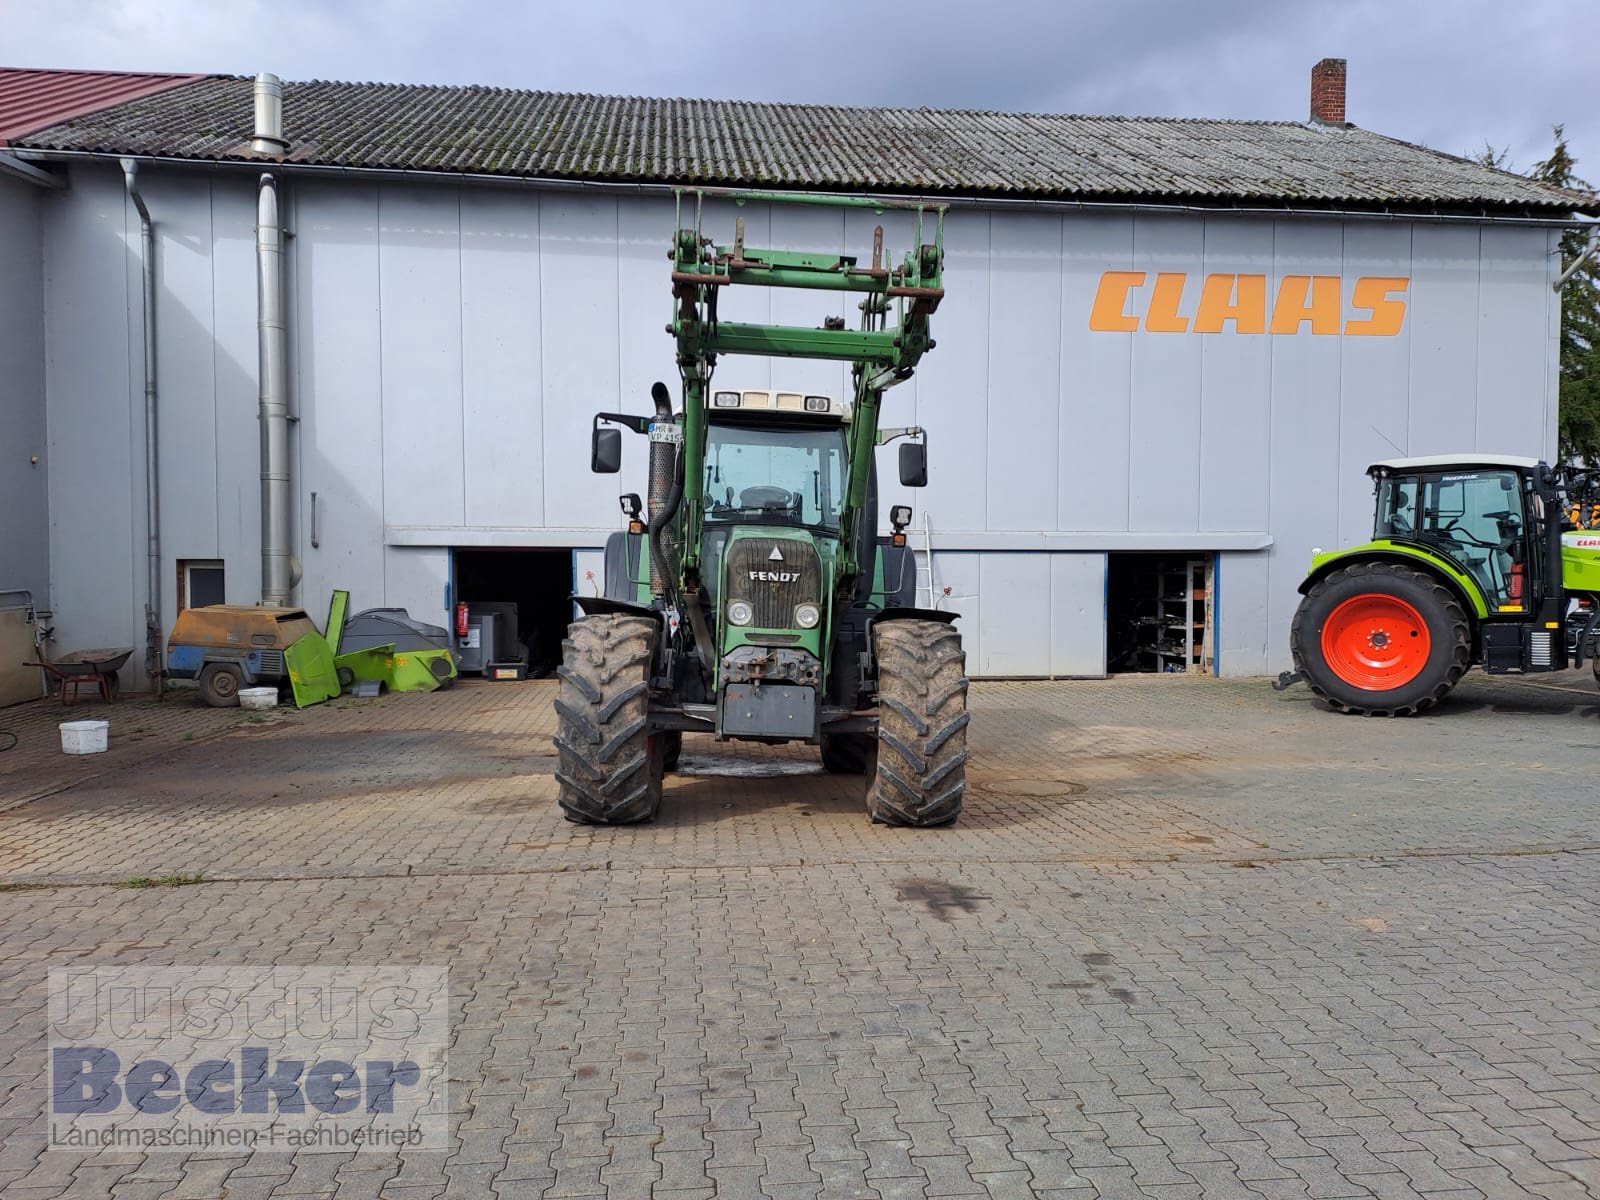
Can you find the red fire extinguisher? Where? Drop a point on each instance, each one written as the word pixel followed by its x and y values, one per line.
pixel 1514 584
pixel 461 619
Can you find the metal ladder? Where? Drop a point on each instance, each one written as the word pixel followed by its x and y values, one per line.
pixel 927 582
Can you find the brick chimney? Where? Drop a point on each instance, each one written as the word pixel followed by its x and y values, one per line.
pixel 1327 92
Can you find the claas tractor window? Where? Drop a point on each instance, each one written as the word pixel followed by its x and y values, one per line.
pixel 1476 519
pixel 1397 503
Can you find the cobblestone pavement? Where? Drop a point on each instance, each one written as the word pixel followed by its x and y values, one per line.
pixel 1192 939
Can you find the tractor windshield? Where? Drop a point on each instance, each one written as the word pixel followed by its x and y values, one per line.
pixel 780 476
pixel 1472 517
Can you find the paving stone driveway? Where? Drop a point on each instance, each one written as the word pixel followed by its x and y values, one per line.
pixel 1192 939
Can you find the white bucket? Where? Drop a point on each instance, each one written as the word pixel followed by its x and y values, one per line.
pixel 258 697
pixel 84 737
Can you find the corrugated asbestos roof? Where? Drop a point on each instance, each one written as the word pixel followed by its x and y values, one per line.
pixel 498 131
pixel 33 99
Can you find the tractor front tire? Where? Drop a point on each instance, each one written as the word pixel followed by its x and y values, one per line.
pixel 610 768
pixel 1381 639
pixel 920 773
pixel 848 753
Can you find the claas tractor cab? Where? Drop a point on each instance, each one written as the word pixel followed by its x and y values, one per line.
pixel 1473 562
pixel 751 596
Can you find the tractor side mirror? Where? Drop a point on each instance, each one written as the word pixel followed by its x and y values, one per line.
pixel 914 465
pixel 605 452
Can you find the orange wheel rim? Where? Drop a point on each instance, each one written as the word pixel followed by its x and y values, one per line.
pixel 1376 642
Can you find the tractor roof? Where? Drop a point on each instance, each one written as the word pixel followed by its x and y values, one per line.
pixel 1434 462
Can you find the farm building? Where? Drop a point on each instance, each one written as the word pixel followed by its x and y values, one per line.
pixel 1168 349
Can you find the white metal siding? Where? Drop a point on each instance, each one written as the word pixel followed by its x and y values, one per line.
pixel 451 344
pixel 24 527
pixel 94 395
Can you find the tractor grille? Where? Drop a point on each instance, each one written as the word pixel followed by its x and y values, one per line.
pixel 773 586
pixel 1541 648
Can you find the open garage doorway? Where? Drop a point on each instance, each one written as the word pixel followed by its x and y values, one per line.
pixel 1159 613
pixel 528 593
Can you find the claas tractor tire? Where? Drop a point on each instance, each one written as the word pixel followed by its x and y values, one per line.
pixel 1381 639
pixel 920 772
pixel 610 768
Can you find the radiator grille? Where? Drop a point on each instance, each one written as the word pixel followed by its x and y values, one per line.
pixel 755 576
pixel 1541 648
pixel 271 662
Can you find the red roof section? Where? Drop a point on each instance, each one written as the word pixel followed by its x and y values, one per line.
pixel 36 99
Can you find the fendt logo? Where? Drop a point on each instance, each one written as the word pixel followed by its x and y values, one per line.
pixel 775 576
pixel 1123 304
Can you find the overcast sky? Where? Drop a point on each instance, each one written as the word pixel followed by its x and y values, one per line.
pixel 1450 74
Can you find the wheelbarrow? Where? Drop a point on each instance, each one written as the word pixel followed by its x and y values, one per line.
pixel 85 668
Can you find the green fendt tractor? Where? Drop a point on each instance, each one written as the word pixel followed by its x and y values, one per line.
pixel 1473 561
pixel 752 596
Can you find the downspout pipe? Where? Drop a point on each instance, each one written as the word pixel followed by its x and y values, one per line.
pixel 152 478
pixel 277 568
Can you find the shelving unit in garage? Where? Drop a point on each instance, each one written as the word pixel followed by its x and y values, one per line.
pixel 1159 613
pixel 1183 611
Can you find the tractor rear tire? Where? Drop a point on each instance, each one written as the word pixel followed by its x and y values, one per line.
pixel 672 743
pixel 610 767
pixel 1381 639
pixel 848 753
pixel 920 773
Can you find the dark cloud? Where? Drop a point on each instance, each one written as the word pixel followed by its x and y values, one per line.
pixel 1451 74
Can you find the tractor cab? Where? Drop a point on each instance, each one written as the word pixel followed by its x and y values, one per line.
pixel 1477 515
pixel 775 460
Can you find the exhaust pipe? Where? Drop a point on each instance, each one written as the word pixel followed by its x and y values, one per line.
pixel 666 439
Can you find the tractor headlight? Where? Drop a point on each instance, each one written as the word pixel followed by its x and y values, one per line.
pixel 807 615
pixel 740 613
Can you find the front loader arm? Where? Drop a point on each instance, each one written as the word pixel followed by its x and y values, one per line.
pixel 884 351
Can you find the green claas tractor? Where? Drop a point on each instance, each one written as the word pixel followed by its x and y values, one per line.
pixel 1473 561
pixel 751 596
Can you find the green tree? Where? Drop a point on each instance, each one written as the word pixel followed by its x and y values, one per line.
pixel 1578 428
pixel 1580 318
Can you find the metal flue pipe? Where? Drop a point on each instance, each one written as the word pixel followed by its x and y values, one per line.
pixel 278 573
pixel 268 136
pixel 152 479
pixel 277 570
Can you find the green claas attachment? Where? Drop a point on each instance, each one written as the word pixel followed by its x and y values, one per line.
pixel 751 596
pixel 1474 561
